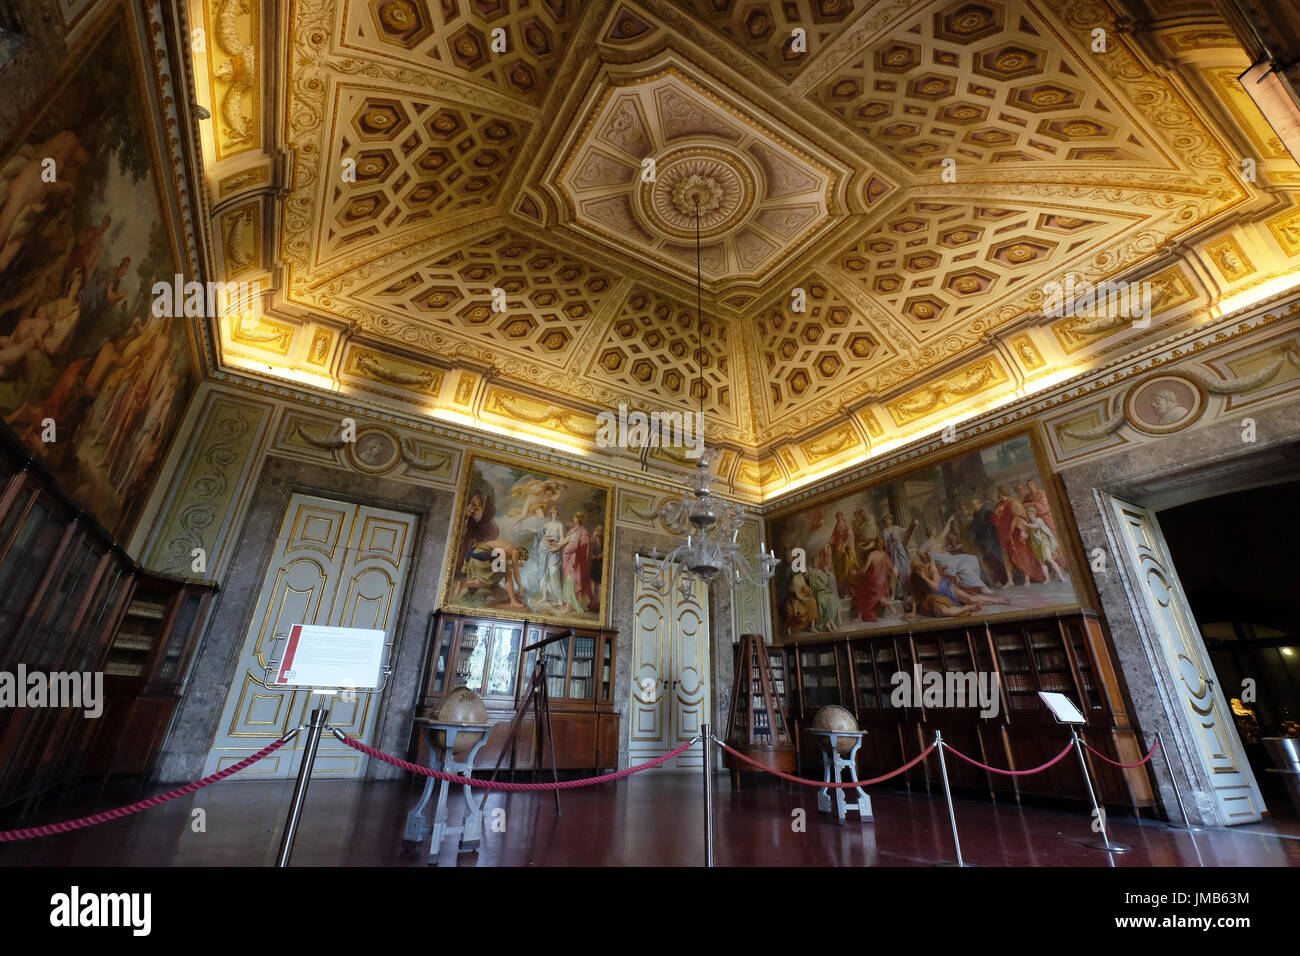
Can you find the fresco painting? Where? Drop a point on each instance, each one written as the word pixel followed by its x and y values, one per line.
pixel 971 537
pixel 90 378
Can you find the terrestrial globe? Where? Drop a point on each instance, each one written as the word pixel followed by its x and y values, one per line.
pixel 835 717
pixel 461 706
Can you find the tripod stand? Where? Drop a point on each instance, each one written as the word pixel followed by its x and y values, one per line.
pixel 540 700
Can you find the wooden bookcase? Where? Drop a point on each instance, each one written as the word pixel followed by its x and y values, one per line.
pixel 65 589
pixel 148 659
pixel 484 654
pixel 757 724
pixel 1066 653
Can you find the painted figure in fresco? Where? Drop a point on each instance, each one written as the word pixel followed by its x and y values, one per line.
pixel 983 534
pixel 479 573
pixel 31 355
pixel 842 552
pixel 85 255
pixel 538 494
pixel 800 605
pixel 551 588
pixel 872 588
pixel 937 595
pixel 864 530
pixel 478 523
pixel 1037 498
pixel 575 547
pixel 1009 518
pixel 103 293
pixel 1169 411
pixel 26 194
pixel 1042 541
pixel 962 568
pixel 822 584
pixel 895 541
pixel 151 431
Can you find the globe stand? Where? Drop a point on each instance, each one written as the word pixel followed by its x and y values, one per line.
pixel 416 825
pixel 834 765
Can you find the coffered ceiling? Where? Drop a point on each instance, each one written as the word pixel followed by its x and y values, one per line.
pixel 509 233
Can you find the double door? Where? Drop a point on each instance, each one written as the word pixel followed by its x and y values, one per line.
pixel 670 674
pixel 335 564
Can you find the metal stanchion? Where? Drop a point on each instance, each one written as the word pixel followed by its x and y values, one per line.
pixel 947 792
pixel 314 729
pixel 707 739
pixel 1187 823
pixel 1098 813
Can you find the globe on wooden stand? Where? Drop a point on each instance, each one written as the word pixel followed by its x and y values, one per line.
pixel 835 717
pixel 461 706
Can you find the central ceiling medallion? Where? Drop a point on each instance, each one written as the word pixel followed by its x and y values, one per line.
pixel 765 195
pixel 722 185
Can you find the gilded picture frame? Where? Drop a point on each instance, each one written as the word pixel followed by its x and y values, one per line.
pixel 529 543
pixel 931 489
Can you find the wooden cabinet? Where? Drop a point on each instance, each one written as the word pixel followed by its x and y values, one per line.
pixel 485 655
pixel 1068 654
pixel 65 589
pixel 144 672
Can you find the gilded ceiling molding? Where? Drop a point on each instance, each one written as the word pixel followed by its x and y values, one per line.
pixel 369 271
pixel 729 65
pixel 572 350
pixel 949 391
pixel 521 409
pixel 238 73
pixel 832 444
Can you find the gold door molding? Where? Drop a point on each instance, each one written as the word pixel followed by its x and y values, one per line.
pixel 1185 668
pixel 337 564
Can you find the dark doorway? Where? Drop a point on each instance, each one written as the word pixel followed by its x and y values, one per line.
pixel 1236 556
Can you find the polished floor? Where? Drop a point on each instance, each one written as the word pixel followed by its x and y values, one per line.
pixel 648 820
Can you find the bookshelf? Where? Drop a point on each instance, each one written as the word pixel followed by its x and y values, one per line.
pixel 758 725
pixel 486 655
pixel 72 600
pixel 1067 653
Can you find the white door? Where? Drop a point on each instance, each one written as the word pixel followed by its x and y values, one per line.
pixel 670 674
pixel 1179 639
pixel 336 564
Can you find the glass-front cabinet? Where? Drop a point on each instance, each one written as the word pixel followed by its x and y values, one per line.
pixel 482 655
pixel 487 656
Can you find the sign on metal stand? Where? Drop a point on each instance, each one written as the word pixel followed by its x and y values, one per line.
pixel 326 661
pixel 1065 712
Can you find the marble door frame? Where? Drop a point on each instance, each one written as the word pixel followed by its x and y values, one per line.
pixel 1181 468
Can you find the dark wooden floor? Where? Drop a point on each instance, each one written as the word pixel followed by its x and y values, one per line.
pixel 648 820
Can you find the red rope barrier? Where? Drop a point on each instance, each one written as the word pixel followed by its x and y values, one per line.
pixel 1150 754
pixel 501 784
pixel 1011 773
pixel 825 783
pixel 50 829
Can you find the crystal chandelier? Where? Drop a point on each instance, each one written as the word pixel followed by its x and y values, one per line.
pixel 710 522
